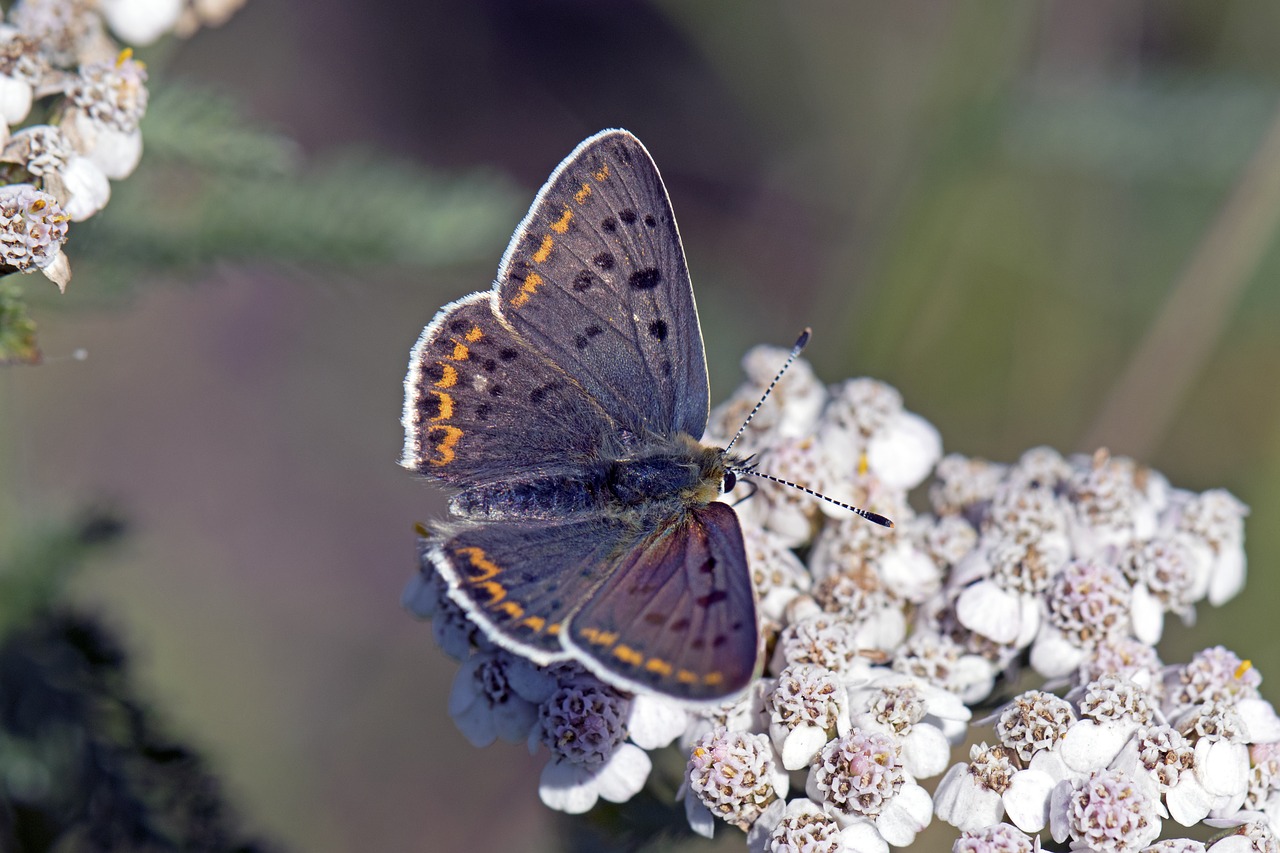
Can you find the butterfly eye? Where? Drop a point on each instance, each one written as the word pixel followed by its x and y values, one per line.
pixel 730 480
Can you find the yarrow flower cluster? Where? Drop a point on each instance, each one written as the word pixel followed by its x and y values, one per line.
pixel 881 641
pixel 58 61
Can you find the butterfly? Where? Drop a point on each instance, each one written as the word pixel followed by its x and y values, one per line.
pixel 564 408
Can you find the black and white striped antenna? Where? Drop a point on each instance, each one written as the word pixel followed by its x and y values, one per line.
pixel 751 470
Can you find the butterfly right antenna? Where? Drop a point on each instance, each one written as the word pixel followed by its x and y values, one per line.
pixel 801 342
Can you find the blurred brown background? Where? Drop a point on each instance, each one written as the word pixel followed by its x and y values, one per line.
pixel 988 205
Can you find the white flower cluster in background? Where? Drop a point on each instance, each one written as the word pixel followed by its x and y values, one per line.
pixel 70 105
pixel 882 641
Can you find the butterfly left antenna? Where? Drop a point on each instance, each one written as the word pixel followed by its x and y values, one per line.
pixel 751 471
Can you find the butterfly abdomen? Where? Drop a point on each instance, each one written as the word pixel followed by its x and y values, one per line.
pixel 533 497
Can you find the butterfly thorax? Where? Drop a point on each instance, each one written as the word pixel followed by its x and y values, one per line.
pixel 662 476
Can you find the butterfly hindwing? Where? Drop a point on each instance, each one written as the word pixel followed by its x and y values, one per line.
pixel 595 278
pixel 677 614
pixel 521 580
pixel 481 404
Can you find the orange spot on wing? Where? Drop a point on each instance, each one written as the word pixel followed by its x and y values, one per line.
pixel 599 638
pixel 544 251
pixel 460 352
pixel 515 611
pixel 602 174
pixel 713 678
pixel 534 623
pixel 531 284
pixel 684 676
pixel 448 377
pixel 583 194
pixel 626 654
pixel 554 630
pixel 561 225
pixel 495 591
pixel 479 560
pixel 452 435
pixel 474 334
pixel 446 406
pixel 661 667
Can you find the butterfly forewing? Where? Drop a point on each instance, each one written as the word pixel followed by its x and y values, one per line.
pixel 595 277
pixel 481 404
pixel 678 613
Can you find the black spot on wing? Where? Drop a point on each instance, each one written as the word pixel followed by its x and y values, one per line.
pixel 646 279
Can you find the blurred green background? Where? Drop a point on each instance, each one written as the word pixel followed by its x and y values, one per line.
pixel 1045 222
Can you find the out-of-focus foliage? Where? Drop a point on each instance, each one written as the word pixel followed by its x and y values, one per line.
pixel 215 188
pixel 84 763
pixel 17 331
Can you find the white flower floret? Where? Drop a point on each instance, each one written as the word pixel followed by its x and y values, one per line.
pixel 1087 602
pixel 1175 845
pixel 1108 810
pixel 807 707
pixel 584 726
pixel 802 825
pixel 904 453
pixel 864 427
pixel 75 181
pixel 1000 838
pixel 1126 657
pixel 947 539
pixel 140 22
pixel 655 721
pixel 860 781
pixel 426 596
pixel 1217 517
pixel 970 795
pixel 777 573
pixel 732 776
pixel 20 69
pixel 33 228
pixel 1034 722
pixel 912 711
pixel 1253 834
pixel 69 32
pixel 1112 709
pixel 962 484
pixel 1108 506
pixel 828 639
pixel 107 102
pixel 485 707
pixel 941 661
